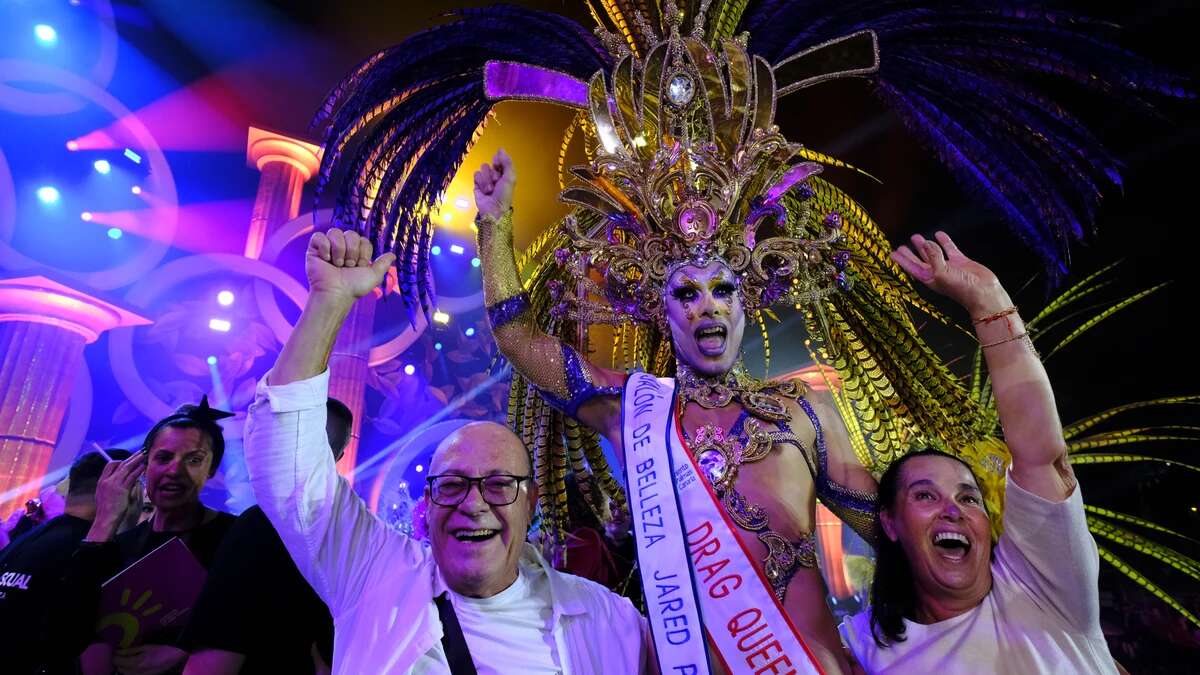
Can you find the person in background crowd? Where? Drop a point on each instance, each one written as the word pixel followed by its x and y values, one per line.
pixel 35 616
pixel 179 455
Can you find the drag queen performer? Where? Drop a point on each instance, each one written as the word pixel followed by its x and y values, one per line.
pixel 694 217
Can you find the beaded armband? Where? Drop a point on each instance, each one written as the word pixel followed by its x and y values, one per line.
pixel 580 389
pixel 504 311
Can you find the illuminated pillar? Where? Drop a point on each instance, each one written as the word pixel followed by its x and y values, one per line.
pixel 829 536
pixel 44 326
pixel 285 164
pixel 348 371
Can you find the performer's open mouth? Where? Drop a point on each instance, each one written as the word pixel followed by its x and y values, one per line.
pixel 710 339
pixel 475 536
pixel 953 546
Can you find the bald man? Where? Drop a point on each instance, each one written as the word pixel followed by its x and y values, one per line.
pixel 479 598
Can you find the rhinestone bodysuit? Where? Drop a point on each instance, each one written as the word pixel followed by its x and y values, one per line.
pixel 720 455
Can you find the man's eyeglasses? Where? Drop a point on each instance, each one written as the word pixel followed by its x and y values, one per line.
pixel 497 489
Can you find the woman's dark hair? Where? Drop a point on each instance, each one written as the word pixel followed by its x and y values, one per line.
pixel 893 595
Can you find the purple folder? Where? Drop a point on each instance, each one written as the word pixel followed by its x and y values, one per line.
pixel 151 597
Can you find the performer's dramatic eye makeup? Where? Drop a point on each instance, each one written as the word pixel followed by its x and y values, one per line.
pixel 685 292
pixel 724 288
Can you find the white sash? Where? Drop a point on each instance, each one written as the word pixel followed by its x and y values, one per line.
pixel 744 621
pixel 658 527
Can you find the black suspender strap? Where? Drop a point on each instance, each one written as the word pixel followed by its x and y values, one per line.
pixel 457 653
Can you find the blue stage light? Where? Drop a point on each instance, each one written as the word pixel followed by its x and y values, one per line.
pixel 470 332
pixel 436 250
pixel 133 156
pixel 212 360
pixel 115 233
pixel 474 262
pixel 48 194
pixel 45 34
pixel 437 346
pixel 102 166
pixel 409 369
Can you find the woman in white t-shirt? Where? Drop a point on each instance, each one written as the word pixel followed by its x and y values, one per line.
pixel 944 600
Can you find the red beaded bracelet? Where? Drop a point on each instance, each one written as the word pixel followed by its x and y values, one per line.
pixel 998 315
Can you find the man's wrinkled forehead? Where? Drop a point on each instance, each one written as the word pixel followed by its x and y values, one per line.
pixel 481 452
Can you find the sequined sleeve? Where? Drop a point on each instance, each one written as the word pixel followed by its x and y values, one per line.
pixel 580 388
pixel 856 508
pixel 563 377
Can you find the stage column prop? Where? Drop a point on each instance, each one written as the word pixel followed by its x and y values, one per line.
pixel 348 372
pixel 44 326
pixel 285 163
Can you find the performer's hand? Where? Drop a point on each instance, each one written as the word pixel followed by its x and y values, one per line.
pixel 942 267
pixel 339 266
pixel 114 492
pixel 494 185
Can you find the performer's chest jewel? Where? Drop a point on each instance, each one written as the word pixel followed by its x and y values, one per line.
pixel 756 478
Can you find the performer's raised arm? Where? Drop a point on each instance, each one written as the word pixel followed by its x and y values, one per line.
pixel 565 377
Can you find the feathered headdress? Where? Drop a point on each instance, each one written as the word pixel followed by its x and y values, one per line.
pixel 690 168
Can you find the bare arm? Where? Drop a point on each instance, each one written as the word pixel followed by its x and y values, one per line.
pixel 1024 398
pixel 538 357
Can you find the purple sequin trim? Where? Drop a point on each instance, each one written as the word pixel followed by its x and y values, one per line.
pixel 505 311
pixel 507 80
pixel 579 388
